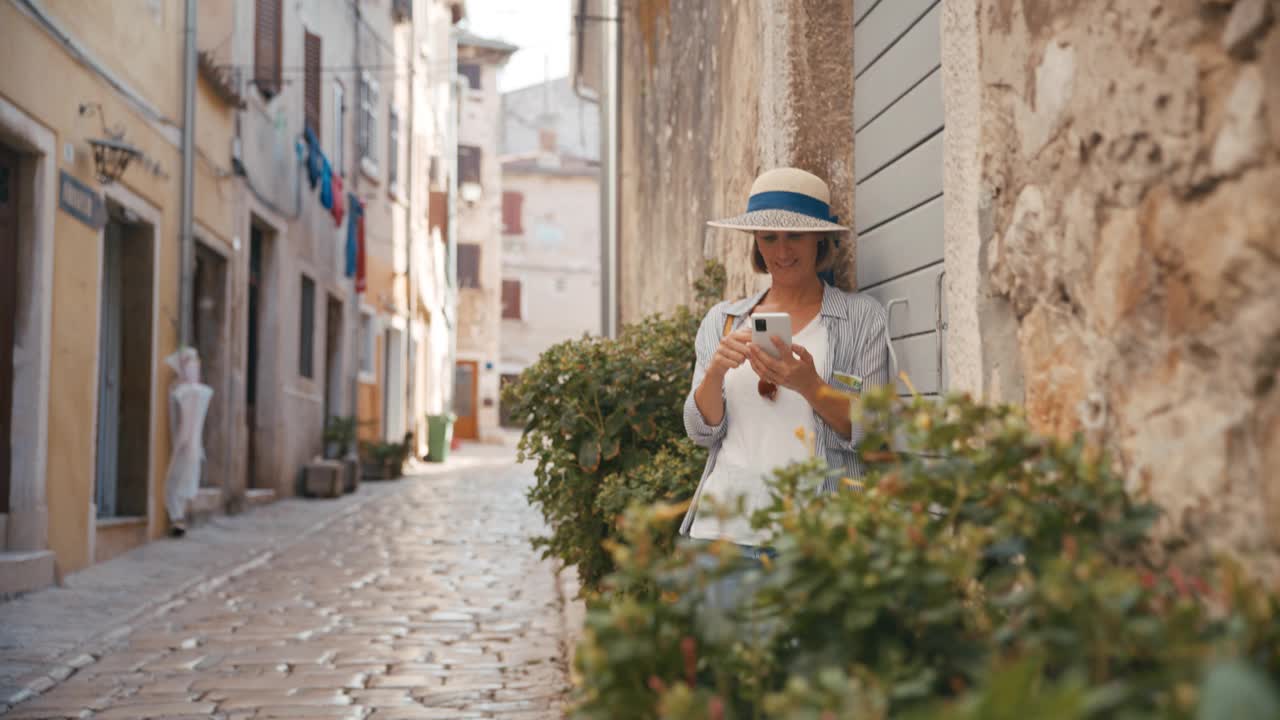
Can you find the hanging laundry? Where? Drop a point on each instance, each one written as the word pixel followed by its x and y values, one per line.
pixel 360 265
pixel 315 158
pixel 353 221
pixel 326 185
pixel 339 207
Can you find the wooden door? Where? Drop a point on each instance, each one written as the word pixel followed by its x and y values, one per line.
pixel 254 291
pixel 110 350
pixel 464 400
pixel 8 310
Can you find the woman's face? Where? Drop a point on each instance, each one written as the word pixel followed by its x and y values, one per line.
pixel 789 256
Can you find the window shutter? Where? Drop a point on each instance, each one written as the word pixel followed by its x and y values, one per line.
pixel 393 151
pixel 468 164
pixel 511 299
pixel 438 213
pixel 266 46
pixel 306 339
pixel 311 84
pixel 512 212
pixel 468 265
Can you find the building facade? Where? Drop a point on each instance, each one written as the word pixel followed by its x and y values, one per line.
pixel 550 231
pixel 92 277
pixel 1075 220
pixel 479 233
pixel 90 306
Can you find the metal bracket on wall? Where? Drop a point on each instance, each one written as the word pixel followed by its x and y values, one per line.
pixel 938 327
pixel 888 331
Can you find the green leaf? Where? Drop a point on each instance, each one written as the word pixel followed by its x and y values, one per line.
pixel 589 454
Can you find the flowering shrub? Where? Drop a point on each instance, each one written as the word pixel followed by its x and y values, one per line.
pixel 603 421
pixel 982 572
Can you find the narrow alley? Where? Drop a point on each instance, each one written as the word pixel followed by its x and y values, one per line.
pixel 425 601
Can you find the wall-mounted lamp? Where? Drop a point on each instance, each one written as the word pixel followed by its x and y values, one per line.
pixel 111 154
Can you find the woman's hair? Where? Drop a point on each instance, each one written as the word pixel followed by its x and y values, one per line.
pixel 826 255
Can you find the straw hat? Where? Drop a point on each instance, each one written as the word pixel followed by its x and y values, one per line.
pixel 787 199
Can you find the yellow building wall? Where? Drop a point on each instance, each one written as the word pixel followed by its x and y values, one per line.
pixel 150 61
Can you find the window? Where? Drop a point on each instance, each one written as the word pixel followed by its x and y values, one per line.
pixel 468 164
pixel 307 323
pixel 368 346
pixel 512 209
pixel 339 129
pixel 266 46
pixel 511 300
pixel 367 134
pixel 468 265
pixel 433 173
pixel 311 82
pixel 393 151
pixel 471 72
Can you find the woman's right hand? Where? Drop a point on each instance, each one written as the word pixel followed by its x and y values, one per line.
pixel 731 353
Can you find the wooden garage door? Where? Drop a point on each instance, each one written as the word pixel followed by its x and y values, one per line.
pixel 898 121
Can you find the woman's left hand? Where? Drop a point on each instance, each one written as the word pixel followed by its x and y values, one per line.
pixel 794 370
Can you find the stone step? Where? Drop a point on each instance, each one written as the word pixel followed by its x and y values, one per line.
pixel 259 496
pixel 25 571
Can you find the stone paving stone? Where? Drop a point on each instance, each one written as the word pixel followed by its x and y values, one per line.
pixel 138 712
pixel 422 713
pixel 426 602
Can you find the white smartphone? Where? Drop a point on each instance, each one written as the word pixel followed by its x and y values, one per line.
pixel 770 325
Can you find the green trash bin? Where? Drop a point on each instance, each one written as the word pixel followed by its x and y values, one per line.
pixel 439 435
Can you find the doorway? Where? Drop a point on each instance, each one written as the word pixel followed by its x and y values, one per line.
pixel 393 393
pixel 333 358
pixel 122 465
pixel 258 350
pixel 208 321
pixel 8 313
pixel 464 399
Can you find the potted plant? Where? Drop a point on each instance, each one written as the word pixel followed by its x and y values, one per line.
pixel 385 460
pixel 339 436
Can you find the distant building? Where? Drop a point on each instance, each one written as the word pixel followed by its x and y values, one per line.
pixel 550 222
pixel 479 249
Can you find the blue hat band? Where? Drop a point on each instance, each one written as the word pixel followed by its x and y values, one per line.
pixel 791 202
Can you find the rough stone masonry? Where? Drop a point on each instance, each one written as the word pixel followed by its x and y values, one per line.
pixel 1129 157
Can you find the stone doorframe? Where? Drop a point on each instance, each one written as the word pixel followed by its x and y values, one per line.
pixel 26 527
pixel 981 351
pixel 151 215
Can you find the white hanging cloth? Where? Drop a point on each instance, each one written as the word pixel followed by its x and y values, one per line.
pixel 188 406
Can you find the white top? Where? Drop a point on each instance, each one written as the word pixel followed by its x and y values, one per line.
pixel 761 436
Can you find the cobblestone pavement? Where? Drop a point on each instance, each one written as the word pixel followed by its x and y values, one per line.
pixel 425 602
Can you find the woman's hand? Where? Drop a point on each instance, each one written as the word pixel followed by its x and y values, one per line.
pixel 794 370
pixel 731 353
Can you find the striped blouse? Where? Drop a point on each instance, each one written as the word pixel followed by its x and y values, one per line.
pixel 857 332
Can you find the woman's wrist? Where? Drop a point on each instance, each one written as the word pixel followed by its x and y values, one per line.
pixel 811 390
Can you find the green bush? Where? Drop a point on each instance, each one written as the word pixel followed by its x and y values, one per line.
pixel 603 421
pixel 983 572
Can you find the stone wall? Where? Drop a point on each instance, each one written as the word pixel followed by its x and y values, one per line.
pixel 1128 240
pixel 714 92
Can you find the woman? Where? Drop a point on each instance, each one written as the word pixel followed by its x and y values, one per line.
pixel 745 404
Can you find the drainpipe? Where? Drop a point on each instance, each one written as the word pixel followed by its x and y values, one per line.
pixel 608 100
pixel 610 106
pixel 187 248
pixel 411 294
pixel 354 315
